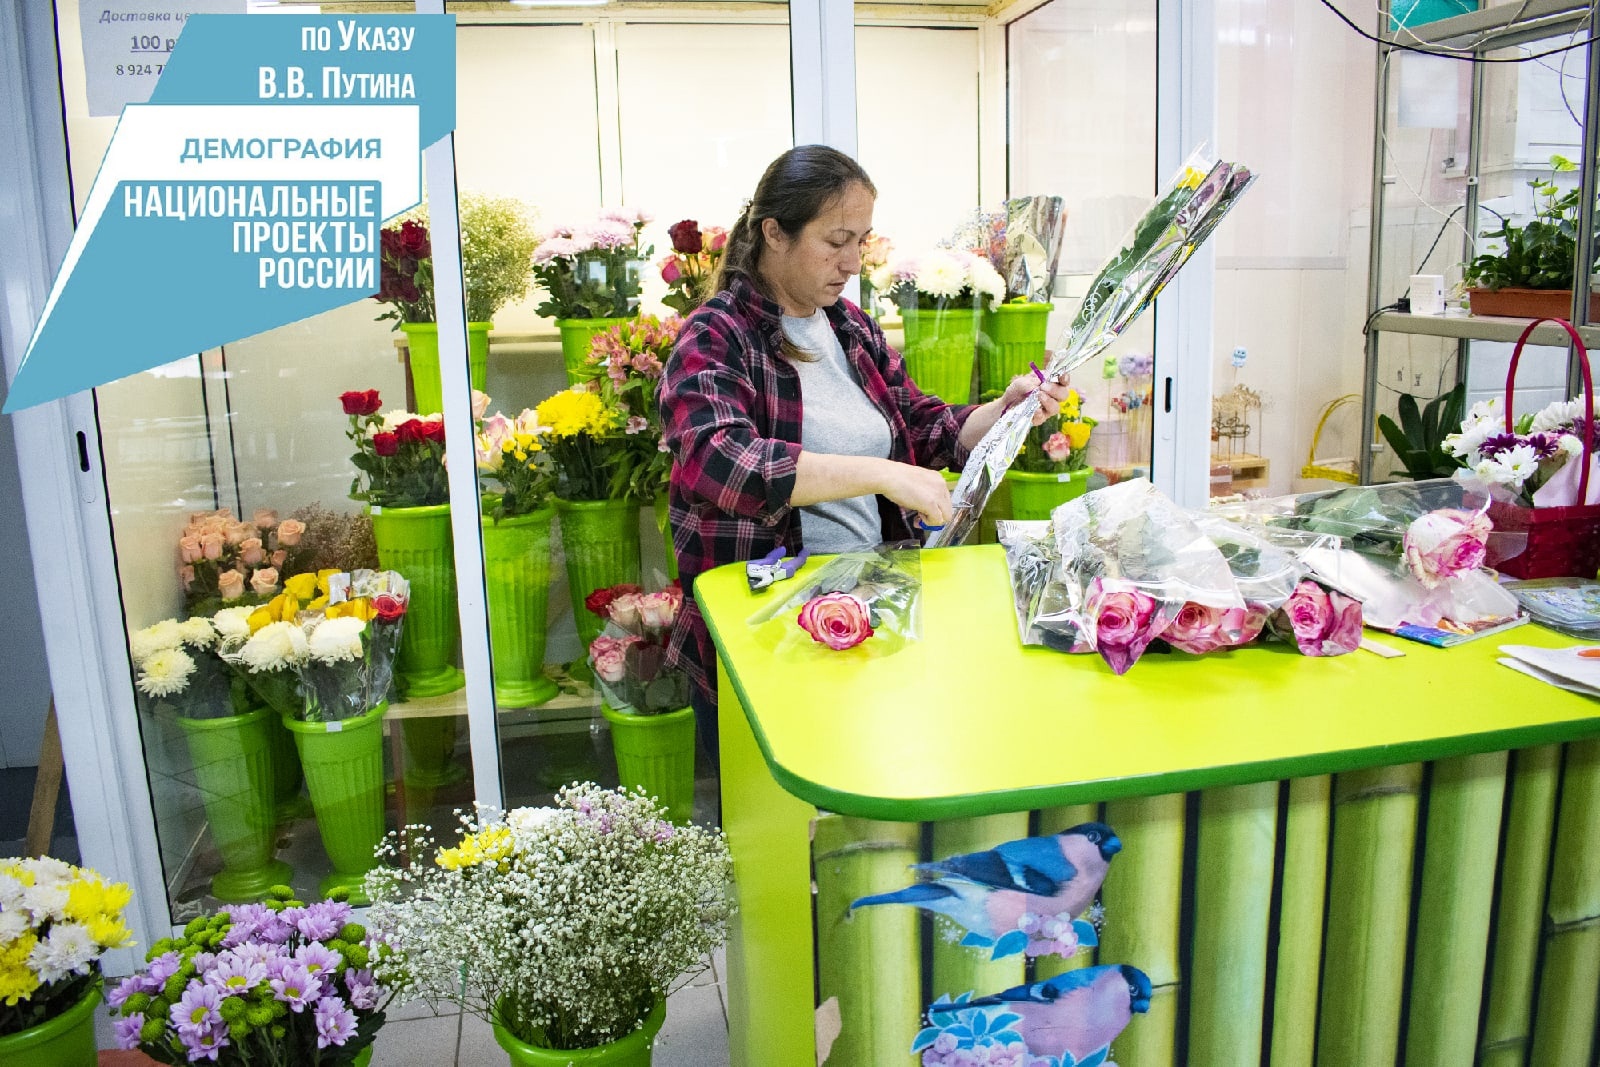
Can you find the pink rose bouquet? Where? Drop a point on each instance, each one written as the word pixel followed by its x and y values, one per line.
pixel 869 600
pixel 222 560
pixel 1321 622
pixel 1445 543
pixel 629 657
pixel 691 267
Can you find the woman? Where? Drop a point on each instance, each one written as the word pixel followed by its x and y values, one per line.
pixel 754 468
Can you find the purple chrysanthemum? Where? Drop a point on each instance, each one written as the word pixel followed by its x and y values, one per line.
pixel 1500 442
pixel 234 974
pixel 297 987
pixel 197 1009
pixel 163 967
pixel 336 1023
pixel 1544 445
pixel 205 1043
pixel 318 958
pixel 363 990
pixel 126 1030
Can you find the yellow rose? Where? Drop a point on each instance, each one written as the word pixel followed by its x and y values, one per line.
pixel 302 587
pixel 1077 433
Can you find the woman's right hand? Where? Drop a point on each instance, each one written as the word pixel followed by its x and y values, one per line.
pixel 921 490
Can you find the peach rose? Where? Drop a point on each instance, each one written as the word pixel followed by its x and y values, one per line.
pixel 264 519
pixel 189 548
pixel 239 532
pixel 211 546
pixel 265 581
pixel 278 558
pixel 230 584
pixel 186 575
pixel 289 532
pixel 250 552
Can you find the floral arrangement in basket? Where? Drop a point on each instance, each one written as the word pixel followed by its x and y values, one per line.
pixel 939 279
pixel 628 359
pixel 280 982
pixel 56 921
pixel 589 440
pixel 629 657
pixel 497 242
pixel 592 271
pixel 567 927
pixel 691 267
pixel 399 456
pixel 1059 444
pixel 1529 465
pixel 222 559
pixel 511 455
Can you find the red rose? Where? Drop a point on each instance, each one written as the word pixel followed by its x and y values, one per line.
pixel 600 600
pixel 412 430
pixel 414 240
pixel 433 430
pixel 388 608
pixel 360 402
pixel 686 237
pixel 385 444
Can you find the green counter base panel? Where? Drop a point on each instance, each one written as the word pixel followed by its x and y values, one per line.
pixel 967 722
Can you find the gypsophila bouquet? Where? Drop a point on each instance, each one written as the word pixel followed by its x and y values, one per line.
pixel 1527 465
pixel 628 359
pixel 691 266
pixel 629 658
pixel 591 271
pixel 351 645
pixel 939 279
pixel 567 925
pixel 56 920
pixel 511 454
pixel 281 982
pixel 222 559
pixel 178 666
pixel 400 456
pixel 1059 444
pixel 589 443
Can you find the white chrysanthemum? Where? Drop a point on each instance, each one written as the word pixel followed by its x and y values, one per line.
pixel 1485 411
pixel 13 924
pixel 47 870
pixel 152 639
pixel 940 275
pixel 165 672
pixel 1490 472
pixel 198 633
pixel 68 950
pixel 45 902
pixel 1465 444
pixel 275 646
pixel 986 281
pixel 526 820
pixel 391 419
pixel 233 625
pixel 1520 464
pixel 1570 444
pixel 1556 415
pixel 337 640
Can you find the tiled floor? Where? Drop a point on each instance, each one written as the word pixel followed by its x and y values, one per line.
pixel 694 1035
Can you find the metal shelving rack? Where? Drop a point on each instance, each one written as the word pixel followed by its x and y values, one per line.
pixel 1482 31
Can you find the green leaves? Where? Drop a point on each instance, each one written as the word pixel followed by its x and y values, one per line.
pixel 1541 254
pixel 1418 441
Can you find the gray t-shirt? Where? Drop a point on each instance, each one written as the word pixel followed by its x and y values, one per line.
pixel 836 419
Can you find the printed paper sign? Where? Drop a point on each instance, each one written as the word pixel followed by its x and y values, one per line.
pixel 126 44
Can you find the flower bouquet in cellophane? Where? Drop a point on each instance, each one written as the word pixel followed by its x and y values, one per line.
pixel 628 657
pixel 869 600
pixel 351 643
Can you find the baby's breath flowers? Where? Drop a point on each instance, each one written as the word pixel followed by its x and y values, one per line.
pixel 565 924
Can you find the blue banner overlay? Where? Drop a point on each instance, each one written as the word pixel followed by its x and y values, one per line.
pixel 248 194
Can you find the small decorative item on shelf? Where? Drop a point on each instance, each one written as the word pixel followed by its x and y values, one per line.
pixel 628 358
pixel 691 267
pixel 1531 274
pixel 179 671
pixel 1053 466
pixel 1235 424
pixel 56 920
pixel 1127 437
pixel 345 674
pixel 647 705
pixel 497 241
pixel 276 982
pixel 591 274
pixel 875 252
pixel 566 928
pixel 1539 472
pixel 518 478
pixel 223 560
pixel 596 465
pixel 940 296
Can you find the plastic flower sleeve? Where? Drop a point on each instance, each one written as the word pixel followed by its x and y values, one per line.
pixel 869 600
pixel 1048 607
pixel 1152 254
pixel 1034 227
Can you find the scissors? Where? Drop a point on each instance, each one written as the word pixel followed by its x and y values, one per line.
pixel 773 567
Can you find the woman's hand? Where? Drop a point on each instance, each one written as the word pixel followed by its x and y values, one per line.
pixel 1051 395
pixel 921 490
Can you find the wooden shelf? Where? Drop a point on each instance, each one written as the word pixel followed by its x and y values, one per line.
pixel 1479 328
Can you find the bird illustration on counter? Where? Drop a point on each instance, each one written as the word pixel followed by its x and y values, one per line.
pixel 1072 1017
pixel 1027 895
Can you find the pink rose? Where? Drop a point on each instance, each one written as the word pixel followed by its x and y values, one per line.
pixel 230 584
pixel 1198 628
pixel 838 620
pixel 1324 623
pixel 480 404
pixel 656 611
pixel 278 558
pixel 606 655
pixel 1240 627
pixel 715 238
pixel 211 546
pixel 1057 447
pixel 1445 543
pixel 624 610
pixel 250 551
pixel 670 271
pixel 1345 633
pixel 264 581
pixel 290 531
pixel 1126 621
pixel 189 548
pixel 264 519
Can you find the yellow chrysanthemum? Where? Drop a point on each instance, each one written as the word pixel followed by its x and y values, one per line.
pixel 109 932
pixel 323 576
pixel 17 979
pixel 1077 433
pixel 576 411
pixel 1192 178
pixel 488 846
pixel 89 898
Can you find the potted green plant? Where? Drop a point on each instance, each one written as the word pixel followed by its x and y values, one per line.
pixel 497 244
pixel 60 920
pixel 592 276
pixel 1053 466
pixel 566 928
pixel 1531 275
pixel 1419 439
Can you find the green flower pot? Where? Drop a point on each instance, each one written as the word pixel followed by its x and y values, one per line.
pixel 600 539
pixel 1035 496
pixel 630 1051
pixel 656 753
pixel 422 344
pixel 664 525
pixel 575 337
pixel 940 349
pixel 287 800
pixel 233 769
pixel 1011 337
pixel 65 1041
pixel 343 763
pixel 516 570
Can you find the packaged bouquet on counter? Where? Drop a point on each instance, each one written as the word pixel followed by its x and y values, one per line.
pixel 869 600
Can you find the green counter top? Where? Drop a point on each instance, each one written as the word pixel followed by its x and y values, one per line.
pixel 968 722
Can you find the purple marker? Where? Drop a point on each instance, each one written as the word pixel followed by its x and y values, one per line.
pixel 1037 372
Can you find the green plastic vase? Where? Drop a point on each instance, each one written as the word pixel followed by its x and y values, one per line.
pixel 600 539
pixel 289 803
pixel 422 346
pixel 940 349
pixel 233 769
pixel 664 525
pixel 1011 337
pixel 67 1040
pixel 630 1051
pixel 656 753
pixel 343 763
pixel 576 334
pixel 516 571
pixel 1035 496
